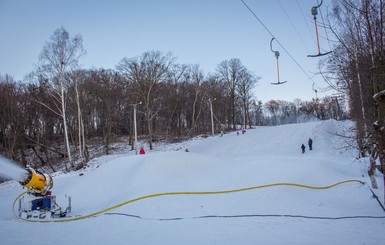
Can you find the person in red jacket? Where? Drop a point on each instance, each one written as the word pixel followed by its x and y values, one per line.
pixel 142 152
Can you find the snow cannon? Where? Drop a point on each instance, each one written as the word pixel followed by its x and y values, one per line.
pixel 37 202
pixel 39 182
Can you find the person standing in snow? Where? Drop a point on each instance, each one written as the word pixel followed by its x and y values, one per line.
pixel 303 148
pixel 142 152
pixel 310 143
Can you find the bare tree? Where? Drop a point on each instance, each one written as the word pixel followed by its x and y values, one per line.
pixel 244 87
pixel 76 79
pixel 273 106
pixel 59 56
pixel 145 73
pixel 196 79
pixel 178 76
pixel 358 64
pixel 11 115
pixel 230 72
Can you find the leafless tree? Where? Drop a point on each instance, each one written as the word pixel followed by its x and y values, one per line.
pixel 357 67
pixel 11 115
pixel 145 73
pixel 244 88
pixel 176 88
pixel 198 94
pixel 59 56
pixel 231 71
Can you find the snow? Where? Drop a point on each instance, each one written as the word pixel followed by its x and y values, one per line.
pixel 263 155
pixel 10 170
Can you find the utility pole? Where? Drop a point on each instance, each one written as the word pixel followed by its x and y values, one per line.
pixel 135 130
pixel 212 116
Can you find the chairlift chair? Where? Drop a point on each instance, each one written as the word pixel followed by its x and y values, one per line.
pixel 276 57
pixel 314 12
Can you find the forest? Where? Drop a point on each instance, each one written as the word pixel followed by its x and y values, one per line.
pixel 58 112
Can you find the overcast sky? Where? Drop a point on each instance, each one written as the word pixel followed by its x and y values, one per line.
pixel 204 32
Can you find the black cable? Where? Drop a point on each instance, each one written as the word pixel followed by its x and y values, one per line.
pixel 267 29
pixel 287 52
pixel 306 22
pixel 292 216
pixel 256 215
pixel 293 26
pixel 378 200
pixel 326 33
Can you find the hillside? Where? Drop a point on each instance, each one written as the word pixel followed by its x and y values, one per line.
pixel 344 214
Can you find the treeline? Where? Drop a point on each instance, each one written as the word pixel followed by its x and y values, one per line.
pixel 60 111
pixel 357 69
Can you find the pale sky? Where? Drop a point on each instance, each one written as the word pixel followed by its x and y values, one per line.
pixel 204 32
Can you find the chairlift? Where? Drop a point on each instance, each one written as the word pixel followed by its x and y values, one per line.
pixel 276 57
pixel 314 12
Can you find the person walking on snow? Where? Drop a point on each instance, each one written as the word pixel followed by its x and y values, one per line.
pixel 303 148
pixel 310 143
pixel 142 152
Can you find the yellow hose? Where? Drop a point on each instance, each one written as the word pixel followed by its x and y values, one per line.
pixel 180 193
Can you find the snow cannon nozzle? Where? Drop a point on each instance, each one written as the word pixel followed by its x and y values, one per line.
pixel 37 181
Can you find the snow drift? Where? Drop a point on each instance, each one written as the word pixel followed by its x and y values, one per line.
pixel 345 214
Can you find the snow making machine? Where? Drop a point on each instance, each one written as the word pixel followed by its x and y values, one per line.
pixel 38 202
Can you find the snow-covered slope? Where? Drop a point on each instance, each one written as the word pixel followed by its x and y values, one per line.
pixel 264 155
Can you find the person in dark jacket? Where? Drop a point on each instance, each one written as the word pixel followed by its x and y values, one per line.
pixel 303 148
pixel 310 143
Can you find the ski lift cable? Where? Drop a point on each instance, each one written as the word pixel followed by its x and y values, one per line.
pixel 314 12
pixel 293 26
pixel 272 35
pixel 306 22
pixel 326 33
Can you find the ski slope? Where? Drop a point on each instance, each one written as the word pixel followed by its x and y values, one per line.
pixel 271 215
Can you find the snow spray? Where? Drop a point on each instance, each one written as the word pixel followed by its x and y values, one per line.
pixel 10 170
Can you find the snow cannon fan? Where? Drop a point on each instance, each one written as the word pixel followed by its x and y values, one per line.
pixel 37 201
pixel 38 182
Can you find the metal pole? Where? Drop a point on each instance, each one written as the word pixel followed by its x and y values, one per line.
pixel 212 117
pixel 135 130
pixel 136 136
pixel 244 116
